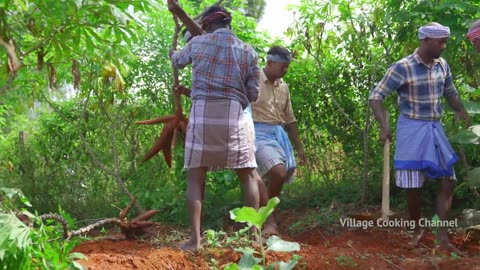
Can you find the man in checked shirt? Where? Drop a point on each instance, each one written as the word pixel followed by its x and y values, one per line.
pixel 225 79
pixel 422 149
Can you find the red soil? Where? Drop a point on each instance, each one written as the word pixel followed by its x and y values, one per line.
pixel 373 248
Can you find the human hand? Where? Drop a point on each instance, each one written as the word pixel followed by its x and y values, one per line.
pixel 462 115
pixel 385 133
pixel 173 6
pixel 182 90
pixel 303 157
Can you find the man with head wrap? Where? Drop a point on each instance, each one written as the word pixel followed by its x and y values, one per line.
pixel 422 149
pixel 474 35
pixel 273 115
pixel 225 79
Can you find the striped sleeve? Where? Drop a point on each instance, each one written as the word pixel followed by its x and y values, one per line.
pixel 253 76
pixel 393 79
pixel 183 57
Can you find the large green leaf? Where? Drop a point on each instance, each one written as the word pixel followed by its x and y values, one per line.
pixel 471 107
pixel 467 88
pixel 248 261
pixel 466 136
pixel 473 177
pixel 275 243
pixel 251 216
pixel 475 129
pixel 14 234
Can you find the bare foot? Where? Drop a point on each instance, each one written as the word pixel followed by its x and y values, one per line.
pixel 417 236
pixel 189 245
pixel 269 229
pixel 445 245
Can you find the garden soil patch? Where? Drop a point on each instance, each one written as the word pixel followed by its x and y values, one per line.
pixel 340 248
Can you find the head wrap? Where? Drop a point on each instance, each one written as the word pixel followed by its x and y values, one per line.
pixel 216 17
pixel 279 58
pixel 433 31
pixel 473 34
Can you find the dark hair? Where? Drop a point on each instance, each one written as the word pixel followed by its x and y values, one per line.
pixel 217 8
pixel 280 51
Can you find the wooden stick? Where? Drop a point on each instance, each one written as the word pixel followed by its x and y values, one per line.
pixel 386 178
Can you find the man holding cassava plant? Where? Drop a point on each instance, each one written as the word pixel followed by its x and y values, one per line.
pixel 273 118
pixel 422 148
pixel 225 78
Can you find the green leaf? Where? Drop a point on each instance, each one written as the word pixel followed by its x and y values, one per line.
pixel 290 264
pixel 465 136
pixel 467 88
pixel 248 261
pixel 285 265
pixel 232 266
pixel 435 220
pixel 473 177
pixel 13 232
pixel 268 209
pixel 471 107
pixel 79 3
pixel 475 129
pixel 11 193
pixel 78 266
pixel 251 216
pixel 77 255
pixel 21 4
pixel 275 243
pixel 246 250
pixel 246 215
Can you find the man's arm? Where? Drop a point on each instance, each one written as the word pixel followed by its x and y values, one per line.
pixel 292 131
pixel 393 79
pixel 381 117
pixel 450 92
pixel 252 83
pixel 194 28
pixel 455 103
pixel 181 58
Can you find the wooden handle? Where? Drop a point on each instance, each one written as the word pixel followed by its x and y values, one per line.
pixel 386 179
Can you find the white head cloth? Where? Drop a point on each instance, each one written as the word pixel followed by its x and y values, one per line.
pixel 279 58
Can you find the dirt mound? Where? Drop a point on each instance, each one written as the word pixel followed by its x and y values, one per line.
pixel 131 254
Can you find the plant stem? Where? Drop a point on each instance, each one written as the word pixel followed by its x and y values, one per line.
pixel 262 251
